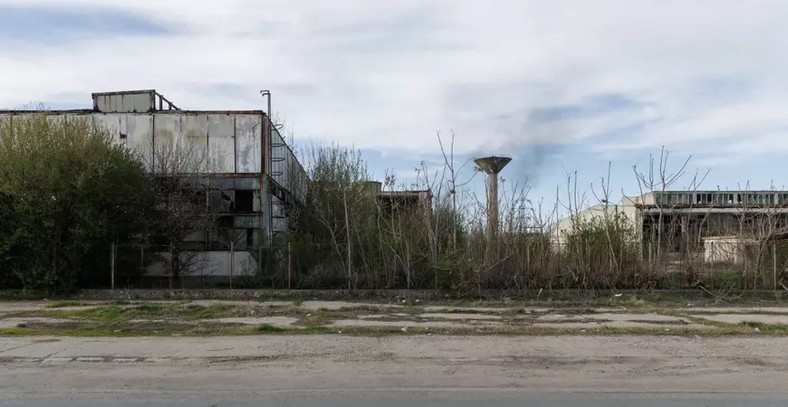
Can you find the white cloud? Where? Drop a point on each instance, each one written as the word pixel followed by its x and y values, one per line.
pixel 387 75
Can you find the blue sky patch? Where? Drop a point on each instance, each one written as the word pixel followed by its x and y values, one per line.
pixel 46 24
pixel 589 107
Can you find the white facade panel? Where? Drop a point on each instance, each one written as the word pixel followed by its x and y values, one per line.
pixel 167 155
pixel 194 140
pixel 111 122
pixel 248 135
pixel 131 131
pixel 221 143
pixel 139 136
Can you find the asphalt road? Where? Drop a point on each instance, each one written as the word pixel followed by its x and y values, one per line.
pixel 347 371
pixel 398 398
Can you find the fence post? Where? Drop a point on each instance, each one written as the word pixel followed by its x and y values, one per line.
pixel 260 262
pixel 230 269
pixel 171 263
pixel 774 266
pixel 289 264
pixel 142 263
pixel 112 265
pixel 713 258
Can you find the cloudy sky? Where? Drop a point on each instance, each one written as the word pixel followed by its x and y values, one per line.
pixel 560 86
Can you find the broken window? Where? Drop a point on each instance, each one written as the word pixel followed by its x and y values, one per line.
pixel 221 201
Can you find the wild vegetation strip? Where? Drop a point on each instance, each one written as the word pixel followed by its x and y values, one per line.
pixel 203 318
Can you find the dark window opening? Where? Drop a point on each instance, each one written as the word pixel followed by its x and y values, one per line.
pixel 225 222
pixel 244 200
pixel 249 238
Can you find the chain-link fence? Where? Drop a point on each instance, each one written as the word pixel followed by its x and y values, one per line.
pixel 534 264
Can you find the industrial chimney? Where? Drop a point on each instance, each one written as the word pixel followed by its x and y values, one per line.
pixel 492 166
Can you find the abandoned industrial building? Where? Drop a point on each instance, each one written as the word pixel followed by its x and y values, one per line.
pixel 250 176
pixel 715 226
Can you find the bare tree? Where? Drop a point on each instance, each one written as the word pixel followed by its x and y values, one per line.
pixel 183 177
pixel 661 177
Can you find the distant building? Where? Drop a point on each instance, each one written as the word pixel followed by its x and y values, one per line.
pixel 719 225
pixel 400 202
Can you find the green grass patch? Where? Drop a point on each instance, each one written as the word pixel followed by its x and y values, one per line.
pixel 410 309
pixel 148 311
pixel 465 311
pixel 315 319
pixel 765 328
pixel 289 310
pixel 70 303
pixel 268 329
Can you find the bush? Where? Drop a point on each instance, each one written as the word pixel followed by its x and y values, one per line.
pixel 66 192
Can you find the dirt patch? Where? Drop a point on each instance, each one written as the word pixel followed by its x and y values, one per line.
pixel 652 322
pixel 644 318
pixel 740 310
pixel 611 320
pixel 338 305
pixel 264 304
pixel 386 317
pixel 25 322
pixel 44 325
pixel 617 324
pixel 358 323
pixel 459 316
pixel 739 318
pixel 445 309
pixel 279 322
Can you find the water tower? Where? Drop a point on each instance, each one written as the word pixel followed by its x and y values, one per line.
pixel 492 166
